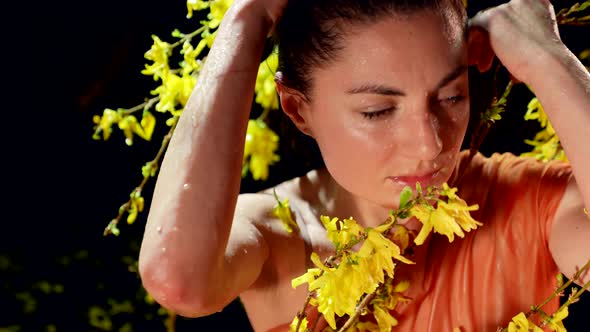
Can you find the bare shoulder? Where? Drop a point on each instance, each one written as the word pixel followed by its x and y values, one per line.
pixel 288 251
pixel 271 300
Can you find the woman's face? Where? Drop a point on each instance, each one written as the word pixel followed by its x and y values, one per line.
pixel 393 108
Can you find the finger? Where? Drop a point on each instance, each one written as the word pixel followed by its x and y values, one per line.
pixel 481 18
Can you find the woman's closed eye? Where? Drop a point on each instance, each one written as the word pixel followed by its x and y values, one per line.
pixel 378 114
pixel 452 100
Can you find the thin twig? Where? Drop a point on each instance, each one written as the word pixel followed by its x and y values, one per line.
pixel 359 309
pixel 155 161
pixel 143 106
pixel 188 36
pixel 171 322
pixel 301 314
pixel 564 286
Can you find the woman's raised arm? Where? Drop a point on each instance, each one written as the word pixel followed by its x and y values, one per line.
pixel 525 37
pixel 182 260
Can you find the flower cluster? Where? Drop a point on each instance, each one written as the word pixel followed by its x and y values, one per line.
pixel 259 150
pixel 126 122
pixel 450 217
pixel 352 282
pixel 546 143
pixel 177 84
pixel 266 89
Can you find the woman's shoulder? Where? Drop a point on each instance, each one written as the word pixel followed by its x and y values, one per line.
pixel 509 167
pixel 299 194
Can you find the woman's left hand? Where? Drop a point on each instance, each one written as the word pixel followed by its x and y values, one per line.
pixel 521 33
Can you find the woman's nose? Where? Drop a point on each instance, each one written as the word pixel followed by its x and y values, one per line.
pixel 422 137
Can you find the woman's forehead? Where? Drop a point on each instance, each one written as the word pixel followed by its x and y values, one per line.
pixel 422 46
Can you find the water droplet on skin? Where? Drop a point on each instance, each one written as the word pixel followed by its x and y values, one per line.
pixel 194 121
pixel 245 251
pixel 163 249
pixel 159 229
pixel 186 186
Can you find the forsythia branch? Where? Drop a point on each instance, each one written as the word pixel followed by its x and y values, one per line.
pixel 112 226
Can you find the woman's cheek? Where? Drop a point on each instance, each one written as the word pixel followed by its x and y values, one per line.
pixel 454 125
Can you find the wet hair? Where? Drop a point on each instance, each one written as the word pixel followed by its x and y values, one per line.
pixel 310 32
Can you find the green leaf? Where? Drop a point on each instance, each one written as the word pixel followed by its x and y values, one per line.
pixel 404 197
pixel 245 169
pixel 176 33
pixel 583 6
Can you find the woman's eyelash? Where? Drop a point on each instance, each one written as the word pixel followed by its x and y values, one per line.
pixel 378 114
pixel 453 100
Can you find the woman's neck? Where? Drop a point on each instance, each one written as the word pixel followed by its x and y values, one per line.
pixel 335 201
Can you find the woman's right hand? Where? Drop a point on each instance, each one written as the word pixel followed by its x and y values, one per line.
pixel 267 12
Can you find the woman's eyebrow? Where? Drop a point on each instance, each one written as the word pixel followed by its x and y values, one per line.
pixel 377 89
pixel 380 89
pixel 460 70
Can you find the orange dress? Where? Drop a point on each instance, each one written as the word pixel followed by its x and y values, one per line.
pixel 479 282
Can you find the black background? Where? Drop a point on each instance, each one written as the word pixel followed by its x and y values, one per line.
pixel 67 62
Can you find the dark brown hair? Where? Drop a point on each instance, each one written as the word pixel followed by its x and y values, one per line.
pixel 310 33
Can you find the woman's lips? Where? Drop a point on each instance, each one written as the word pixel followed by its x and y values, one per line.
pixel 410 180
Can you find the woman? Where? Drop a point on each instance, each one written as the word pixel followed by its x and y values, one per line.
pixel 382 87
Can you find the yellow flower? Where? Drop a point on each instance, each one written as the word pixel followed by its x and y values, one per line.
pixel 535 111
pixel 342 233
pixel 520 323
pixel 127 125
pixel 401 235
pixel 338 289
pixel 259 150
pixel 265 88
pixel 158 53
pixel 555 322
pixel 381 251
pixel 174 90
pixel 449 192
pixel 218 9
pixel 302 326
pixel 364 327
pixel 283 212
pixel 388 296
pixel 146 127
pixel 384 319
pixel 444 224
pixel 195 5
pixel 422 213
pixel 458 210
pixel 449 218
pixel 105 122
pixel 137 203
pixel 190 62
pixel 209 37
pixel 546 146
pixel 308 277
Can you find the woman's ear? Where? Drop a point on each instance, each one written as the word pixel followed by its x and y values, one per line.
pixel 294 104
